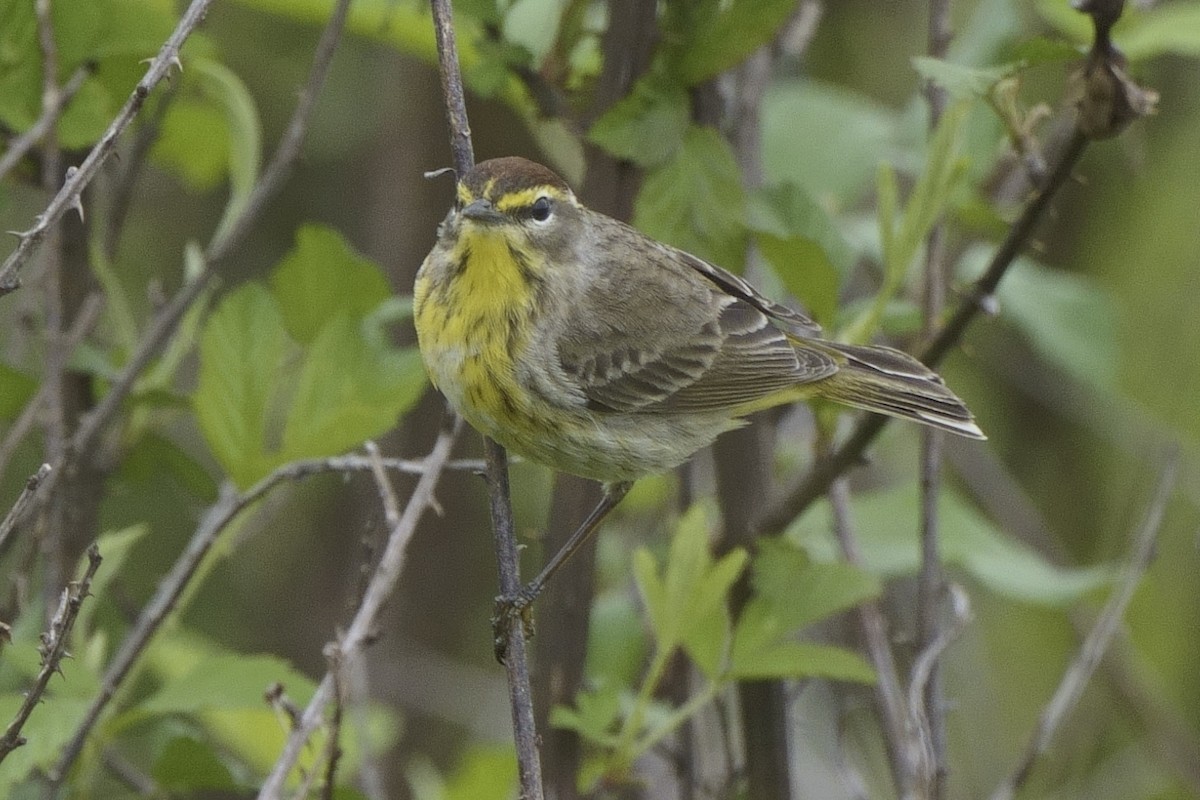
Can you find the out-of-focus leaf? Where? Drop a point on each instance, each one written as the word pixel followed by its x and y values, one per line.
pixel 886 524
pixel 799 660
pixel 791 592
pixel 154 454
pixel 647 126
pixel 825 139
pixel 687 604
pixel 720 34
pixel 593 716
pixel 348 391
pixel 189 765
pixel 802 245
pixel 1069 319
pixel 696 201
pixel 533 25
pixel 1043 50
pixel 193 142
pixel 616 649
pixel 322 277
pixel 962 81
pixel 1140 33
pixel 228 92
pixel 114 547
pixel 484 773
pixel 48 730
pixel 16 390
pixel 242 350
pixel 227 681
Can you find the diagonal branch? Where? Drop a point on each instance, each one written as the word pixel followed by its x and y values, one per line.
pixel 978 299
pixel 22 144
pixel 1076 678
pixel 360 633
pixel 68 196
pixel 53 650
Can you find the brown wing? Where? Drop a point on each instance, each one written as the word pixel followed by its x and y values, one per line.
pixel 679 341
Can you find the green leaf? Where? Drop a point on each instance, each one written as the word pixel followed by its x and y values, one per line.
pixel 800 591
pixel 154 454
pixel 594 715
pixel 886 523
pixel 484 773
pixel 193 143
pixel 616 651
pixel 187 765
pixel 16 390
pixel 791 592
pixel 227 681
pixel 242 351
pixel 722 34
pixel 230 95
pixel 963 81
pixel 1069 319
pixel 687 605
pixel 1167 28
pixel 348 391
pixel 801 243
pixel 114 547
pixel 322 277
pixel 799 660
pixel 826 139
pixel 696 201
pixel 533 25
pixel 48 730
pixel 647 126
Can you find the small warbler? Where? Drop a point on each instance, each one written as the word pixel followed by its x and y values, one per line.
pixel 582 344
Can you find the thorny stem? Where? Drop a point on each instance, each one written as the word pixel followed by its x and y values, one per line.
pixel 508 563
pixel 54 648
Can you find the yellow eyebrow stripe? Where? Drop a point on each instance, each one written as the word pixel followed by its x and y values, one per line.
pixel 525 198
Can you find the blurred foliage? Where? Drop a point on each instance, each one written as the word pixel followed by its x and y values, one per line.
pixel 1091 365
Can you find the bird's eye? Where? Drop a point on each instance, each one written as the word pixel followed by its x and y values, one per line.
pixel 541 209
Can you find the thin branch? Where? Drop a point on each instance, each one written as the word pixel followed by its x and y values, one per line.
pixel 81 326
pixel 508 561
pixel 94 423
pixel 978 299
pixel 23 500
pixel 893 709
pixel 53 649
pixel 360 633
pixel 1079 673
pixel 228 506
pixel 21 145
pixel 930 579
pixel 68 196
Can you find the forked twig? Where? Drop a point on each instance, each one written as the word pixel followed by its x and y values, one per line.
pixel 360 632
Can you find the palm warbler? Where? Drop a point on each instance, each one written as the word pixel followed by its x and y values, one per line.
pixel 582 344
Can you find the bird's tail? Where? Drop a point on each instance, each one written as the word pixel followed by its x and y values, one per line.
pixel 890 382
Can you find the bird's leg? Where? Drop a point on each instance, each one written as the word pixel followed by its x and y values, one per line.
pixel 507 606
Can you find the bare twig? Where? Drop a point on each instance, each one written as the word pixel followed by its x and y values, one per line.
pixel 360 633
pixel 93 424
pixel 53 649
pixel 333 748
pixel 507 555
pixel 930 580
pixel 81 326
pixel 1076 678
pixel 23 500
pixel 68 195
pixel 904 748
pixel 979 298
pixel 228 506
pixel 21 145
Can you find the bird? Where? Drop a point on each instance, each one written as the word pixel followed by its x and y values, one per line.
pixel 581 343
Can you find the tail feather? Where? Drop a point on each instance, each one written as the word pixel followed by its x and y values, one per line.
pixel 887 381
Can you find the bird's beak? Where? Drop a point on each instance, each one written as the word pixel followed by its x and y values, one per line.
pixel 483 212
